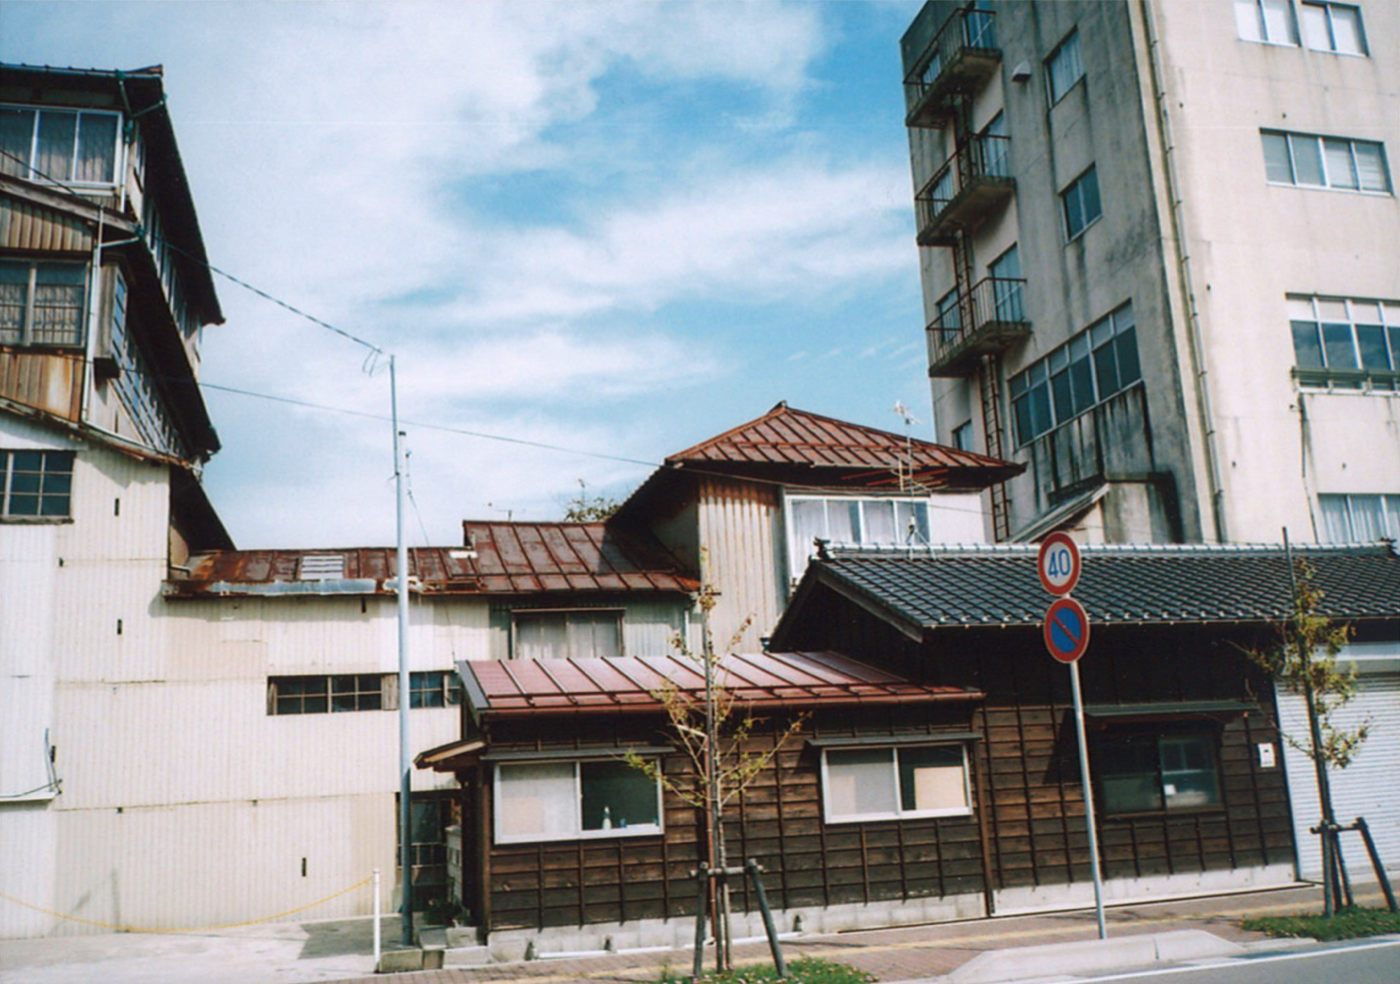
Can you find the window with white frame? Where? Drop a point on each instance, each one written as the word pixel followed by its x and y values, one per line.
pixel 1088 369
pixel 581 634
pixel 900 783
pixel 885 522
pixel 1080 203
pixel 1064 68
pixel 1346 343
pixel 1269 21
pixel 1336 163
pixel 1334 27
pixel 66 146
pixel 36 484
pixel 543 801
pixel 42 303
pixel 1359 518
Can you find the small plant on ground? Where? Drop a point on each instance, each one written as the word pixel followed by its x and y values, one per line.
pixel 1347 924
pixel 805 970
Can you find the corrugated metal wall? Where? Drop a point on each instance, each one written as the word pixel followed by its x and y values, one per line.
pixel 1366 788
pixel 741 531
pixel 31 227
pixel 47 381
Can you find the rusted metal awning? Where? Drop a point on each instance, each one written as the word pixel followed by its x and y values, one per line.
pixel 638 684
pixel 450 757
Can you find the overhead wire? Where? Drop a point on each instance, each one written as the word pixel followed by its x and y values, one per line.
pixel 375 351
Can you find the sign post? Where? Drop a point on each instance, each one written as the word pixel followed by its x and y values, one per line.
pixel 1066 632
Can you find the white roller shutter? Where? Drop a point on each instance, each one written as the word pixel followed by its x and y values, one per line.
pixel 1369 787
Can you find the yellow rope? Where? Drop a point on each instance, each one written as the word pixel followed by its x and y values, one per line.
pixel 122 928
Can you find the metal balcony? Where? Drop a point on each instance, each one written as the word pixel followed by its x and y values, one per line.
pixel 958 61
pixel 987 320
pixel 970 186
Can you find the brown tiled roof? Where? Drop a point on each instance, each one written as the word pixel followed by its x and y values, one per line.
pixel 527 686
pixel 836 451
pixel 502 559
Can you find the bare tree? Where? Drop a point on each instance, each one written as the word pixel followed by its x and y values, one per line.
pixel 714 731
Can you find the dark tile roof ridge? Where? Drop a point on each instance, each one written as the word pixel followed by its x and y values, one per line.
pixel 928 551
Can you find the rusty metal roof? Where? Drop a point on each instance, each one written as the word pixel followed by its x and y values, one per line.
pixel 501 559
pixel 799 680
pixel 844 453
pixel 516 558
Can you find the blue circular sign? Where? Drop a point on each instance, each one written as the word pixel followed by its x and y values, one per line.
pixel 1066 630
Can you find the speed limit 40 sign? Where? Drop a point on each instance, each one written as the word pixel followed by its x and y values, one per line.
pixel 1058 564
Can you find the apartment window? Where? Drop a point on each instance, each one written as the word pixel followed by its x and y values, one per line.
pixel 1359 518
pixel 962 436
pixel 867 522
pixel 949 314
pixel 545 801
pixel 1080 202
pixel 323 694
pixel 1088 369
pixel 1063 68
pixel 995 149
pixel 1325 162
pixel 1270 21
pixel 568 634
pixel 434 688
pixel 42 303
pixel 1005 272
pixel 60 145
pixel 36 484
pixel 1144 771
pixel 135 383
pixel 1346 343
pixel 861 784
pixel 1333 27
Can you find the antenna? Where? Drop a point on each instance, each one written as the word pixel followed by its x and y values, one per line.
pixel 510 513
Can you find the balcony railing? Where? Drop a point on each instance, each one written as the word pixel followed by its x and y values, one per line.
pixel 986 320
pixel 967 188
pixel 959 59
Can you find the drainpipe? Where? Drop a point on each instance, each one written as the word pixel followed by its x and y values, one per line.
pixel 94 294
pixel 1183 260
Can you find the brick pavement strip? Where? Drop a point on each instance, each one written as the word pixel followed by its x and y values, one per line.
pixel 901 953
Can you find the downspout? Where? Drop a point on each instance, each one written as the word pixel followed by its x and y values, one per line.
pixel 94 294
pixel 1183 260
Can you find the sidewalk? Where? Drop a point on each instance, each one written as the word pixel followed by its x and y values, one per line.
pixel 340 951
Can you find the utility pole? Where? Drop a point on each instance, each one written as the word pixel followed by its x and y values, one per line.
pixel 401 587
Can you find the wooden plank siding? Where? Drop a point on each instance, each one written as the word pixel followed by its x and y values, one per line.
pixel 44 379
pixel 777 821
pixel 1027 767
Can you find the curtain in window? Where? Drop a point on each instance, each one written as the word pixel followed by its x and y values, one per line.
pixel 14 288
pixel 58 304
pixel 540 637
pixel 860 781
pixel 879 527
pixel 1367 518
pixel 1335 526
pixel 1340 173
pixel 594 635
pixel 97 141
pixel 1370 165
pixel 54 159
pixel 808 524
pixel 537 800
pixel 16 134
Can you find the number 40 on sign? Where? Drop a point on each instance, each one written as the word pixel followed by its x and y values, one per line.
pixel 1058 564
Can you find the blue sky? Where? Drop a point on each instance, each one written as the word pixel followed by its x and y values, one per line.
pixel 612 227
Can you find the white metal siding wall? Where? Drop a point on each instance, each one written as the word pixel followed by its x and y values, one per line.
pixel 1366 788
pixel 740 528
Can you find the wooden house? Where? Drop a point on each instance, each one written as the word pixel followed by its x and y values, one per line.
pixel 937 776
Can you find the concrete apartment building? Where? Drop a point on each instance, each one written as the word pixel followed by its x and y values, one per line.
pixel 1158 244
pixel 1160 254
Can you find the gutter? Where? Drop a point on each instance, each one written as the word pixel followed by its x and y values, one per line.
pixel 1183 260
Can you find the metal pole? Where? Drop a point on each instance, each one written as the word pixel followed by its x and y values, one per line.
pixel 401 587
pixel 1376 863
pixel 756 876
pixel 1090 825
pixel 702 894
pixel 1324 789
pixel 378 945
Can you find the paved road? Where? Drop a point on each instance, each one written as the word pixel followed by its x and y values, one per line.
pixel 1369 962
